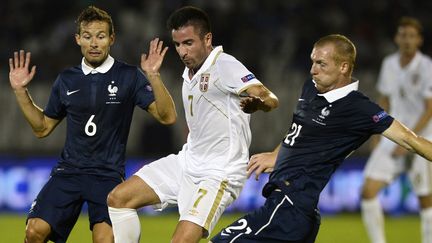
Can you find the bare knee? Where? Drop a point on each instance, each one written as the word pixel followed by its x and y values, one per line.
pixel 37 230
pixel 425 201
pixel 371 188
pixel 367 193
pixel 115 199
pixel 132 193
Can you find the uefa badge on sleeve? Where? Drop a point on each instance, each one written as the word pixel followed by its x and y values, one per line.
pixel 204 82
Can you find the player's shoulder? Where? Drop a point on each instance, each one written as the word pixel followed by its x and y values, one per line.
pixel 121 65
pixel 425 59
pixel 361 102
pixel 226 59
pixel 358 96
pixel 70 73
pixel 126 71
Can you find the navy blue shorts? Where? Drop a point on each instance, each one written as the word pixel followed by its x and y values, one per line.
pixel 277 221
pixel 60 201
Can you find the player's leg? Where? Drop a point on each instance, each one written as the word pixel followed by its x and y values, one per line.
pixel 154 184
pixel 201 204
pixel 58 204
pixel 37 231
pixel 380 170
pixel 420 175
pixel 95 191
pixel 426 218
pixel 372 212
pixel 102 233
pixel 187 232
pixel 278 220
pixel 123 203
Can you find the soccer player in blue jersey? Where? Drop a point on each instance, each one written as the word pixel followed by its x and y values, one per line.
pixel 331 120
pixel 97 98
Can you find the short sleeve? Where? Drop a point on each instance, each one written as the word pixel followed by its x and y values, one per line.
pixel 235 76
pixel 373 118
pixel 55 108
pixel 143 91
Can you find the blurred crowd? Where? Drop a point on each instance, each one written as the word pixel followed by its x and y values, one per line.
pixel 273 38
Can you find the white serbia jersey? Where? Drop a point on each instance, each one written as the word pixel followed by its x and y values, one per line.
pixel 219 132
pixel 407 87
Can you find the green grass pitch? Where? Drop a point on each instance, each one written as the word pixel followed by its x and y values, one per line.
pixel 340 228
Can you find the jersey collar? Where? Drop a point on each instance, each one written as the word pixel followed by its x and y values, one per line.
pixel 105 67
pixel 210 60
pixel 339 93
pixel 414 63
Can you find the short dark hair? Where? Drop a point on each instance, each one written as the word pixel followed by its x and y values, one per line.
pixel 189 15
pixel 345 49
pixel 410 21
pixel 92 13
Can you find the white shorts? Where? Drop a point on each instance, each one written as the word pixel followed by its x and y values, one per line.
pixel 200 200
pixel 382 166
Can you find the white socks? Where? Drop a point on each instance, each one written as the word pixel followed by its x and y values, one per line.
pixel 426 225
pixel 126 225
pixel 373 219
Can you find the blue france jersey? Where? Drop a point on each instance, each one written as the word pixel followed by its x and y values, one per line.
pixel 98 108
pixel 322 135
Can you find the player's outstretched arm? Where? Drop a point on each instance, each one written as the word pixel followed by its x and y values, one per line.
pixel 421 124
pixel 258 98
pixel 19 77
pixel 400 134
pixel 262 163
pixel 163 108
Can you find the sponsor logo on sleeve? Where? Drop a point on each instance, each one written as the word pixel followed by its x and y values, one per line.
pixel 247 78
pixel 378 117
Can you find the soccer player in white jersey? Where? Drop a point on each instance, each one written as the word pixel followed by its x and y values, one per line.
pixel 209 172
pixel 405 82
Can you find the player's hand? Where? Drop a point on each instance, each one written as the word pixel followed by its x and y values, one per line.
pixel 250 104
pixel 151 62
pixel 261 163
pixel 19 73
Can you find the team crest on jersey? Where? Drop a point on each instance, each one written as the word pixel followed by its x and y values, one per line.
pixel 112 93
pixel 321 117
pixel 324 112
pixel 112 89
pixel 204 82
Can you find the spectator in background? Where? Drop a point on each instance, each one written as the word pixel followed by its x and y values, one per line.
pixel 97 98
pixel 405 84
pixel 208 173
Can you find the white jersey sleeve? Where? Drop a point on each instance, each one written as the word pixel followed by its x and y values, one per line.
pixel 235 76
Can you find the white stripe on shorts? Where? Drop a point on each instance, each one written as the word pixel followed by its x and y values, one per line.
pixel 274 212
